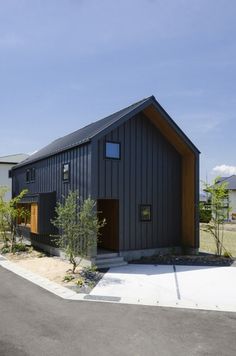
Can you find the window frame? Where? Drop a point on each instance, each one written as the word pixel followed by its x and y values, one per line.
pixel 65 180
pixel 142 206
pixel 27 175
pixel 105 150
pixel 32 175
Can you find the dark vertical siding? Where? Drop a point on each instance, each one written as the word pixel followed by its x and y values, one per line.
pixel 149 172
pixel 49 174
pixel 196 239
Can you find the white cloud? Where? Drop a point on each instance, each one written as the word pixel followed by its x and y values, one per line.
pixel 201 123
pixel 225 170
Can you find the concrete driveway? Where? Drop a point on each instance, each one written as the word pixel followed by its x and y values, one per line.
pixel 209 288
pixel 34 322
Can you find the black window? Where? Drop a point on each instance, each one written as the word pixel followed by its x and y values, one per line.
pixel 66 172
pixel 27 176
pixel 10 173
pixel 145 212
pixel 112 150
pixel 32 174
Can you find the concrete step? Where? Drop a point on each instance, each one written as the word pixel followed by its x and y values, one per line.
pixel 108 265
pixel 107 260
pixel 104 256
pixel 110 260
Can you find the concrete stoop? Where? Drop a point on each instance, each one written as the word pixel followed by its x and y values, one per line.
pixel 108 260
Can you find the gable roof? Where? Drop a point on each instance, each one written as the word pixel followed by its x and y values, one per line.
pixel 88 132
pixel 230 180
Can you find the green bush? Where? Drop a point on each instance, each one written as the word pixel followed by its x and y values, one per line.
pixel 80 282
pixel 5 249
pixel 20 247
pixel 68 278
pixel 204 215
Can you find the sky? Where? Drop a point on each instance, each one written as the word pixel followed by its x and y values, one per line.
pixel 66 63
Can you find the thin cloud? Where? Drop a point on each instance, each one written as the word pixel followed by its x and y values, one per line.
pixel 225 170
pixel 202 123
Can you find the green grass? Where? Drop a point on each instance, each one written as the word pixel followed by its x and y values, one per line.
pixel 207 242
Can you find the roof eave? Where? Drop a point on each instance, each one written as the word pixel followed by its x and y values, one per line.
pixel 22 164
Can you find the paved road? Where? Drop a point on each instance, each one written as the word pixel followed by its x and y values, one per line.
pixel 35 322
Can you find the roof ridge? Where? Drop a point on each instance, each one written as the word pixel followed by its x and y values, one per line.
pixel 117 112
pixel 103 118
pixel 224 178
pixel 86 133
pixel 95 122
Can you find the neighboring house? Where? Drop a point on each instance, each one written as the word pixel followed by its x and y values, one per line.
pixel 231 186
pixel 6 163
pixel 138 165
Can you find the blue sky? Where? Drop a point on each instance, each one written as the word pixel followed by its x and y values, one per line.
pixel 66 63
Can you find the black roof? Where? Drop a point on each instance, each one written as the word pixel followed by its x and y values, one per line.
pixel 86 133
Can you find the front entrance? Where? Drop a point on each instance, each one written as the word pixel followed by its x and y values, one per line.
pixel 109 209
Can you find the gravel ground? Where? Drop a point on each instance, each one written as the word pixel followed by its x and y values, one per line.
pixel 203 259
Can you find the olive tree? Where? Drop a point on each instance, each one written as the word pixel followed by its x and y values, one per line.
pixel 9 213
pixel 78 226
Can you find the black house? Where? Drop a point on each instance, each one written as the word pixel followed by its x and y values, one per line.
pixel 138 165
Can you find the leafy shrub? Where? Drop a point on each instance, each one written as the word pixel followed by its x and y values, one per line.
pixel 80 282
pixel 5 249
pixel 89 272
pixel 20 247
pixel 68 278
pixel 204 214
pixel 227 254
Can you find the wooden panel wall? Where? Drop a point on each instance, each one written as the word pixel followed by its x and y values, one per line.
pixel 34 218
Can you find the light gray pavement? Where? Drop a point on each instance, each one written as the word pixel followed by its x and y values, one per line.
pixel 209 288
pixel 34 322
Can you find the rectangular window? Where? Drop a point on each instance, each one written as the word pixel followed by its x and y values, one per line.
pixel 145 212
pixel 66 172
pixel 27 176
pixel 112 150
pixel 10 173
pixel 32 174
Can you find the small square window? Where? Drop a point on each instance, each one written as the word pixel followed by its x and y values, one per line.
pixel 145 213
pixel 66 172
pixel 112 150
pixel 27 176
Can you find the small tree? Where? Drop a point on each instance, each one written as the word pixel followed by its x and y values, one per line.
pixel 4 229
pixel 9 213
pixel 78 227
pixel 220 209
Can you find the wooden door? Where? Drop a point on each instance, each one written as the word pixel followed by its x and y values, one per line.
pixel 34 218
pixel 109 209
